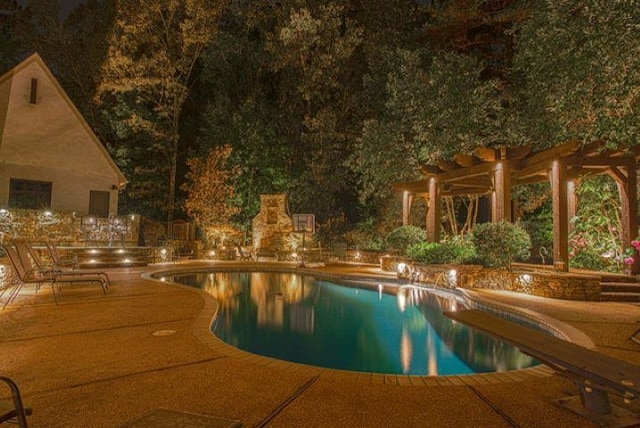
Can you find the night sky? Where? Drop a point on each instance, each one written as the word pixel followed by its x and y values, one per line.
pixel 66 6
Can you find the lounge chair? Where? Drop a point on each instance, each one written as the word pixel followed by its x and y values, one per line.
pixel 26 275
pixel 25 265
pixel 14 412
pixel 26 250
pixel 60 262
pixel 28 256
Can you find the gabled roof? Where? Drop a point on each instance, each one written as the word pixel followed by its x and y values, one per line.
pixel 37 59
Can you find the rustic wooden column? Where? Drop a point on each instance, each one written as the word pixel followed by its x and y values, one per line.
pixel 558 178
pixel 627 184
pixel 501 196
pixel 433 211
pixel 407 202
pixel 571 204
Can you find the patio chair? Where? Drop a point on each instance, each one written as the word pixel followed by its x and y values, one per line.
pixel 14 412
pixel 26 274
pixel 28 256
pixel 58 260
pixel 56 278
pixel 26 250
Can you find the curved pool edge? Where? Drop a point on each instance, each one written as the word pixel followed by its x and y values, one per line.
pixel 201 329
pixel 528 317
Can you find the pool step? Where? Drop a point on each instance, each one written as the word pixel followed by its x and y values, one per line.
pixel 106 257
pixel 620 290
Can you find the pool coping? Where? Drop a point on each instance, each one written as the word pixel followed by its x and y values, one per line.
pixel 201 329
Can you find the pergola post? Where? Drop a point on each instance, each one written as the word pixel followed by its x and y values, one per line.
pixel 571 204
pixel 501 196
pixel 558 178
pixel 433 211
pixel 629 203
pixel 407 202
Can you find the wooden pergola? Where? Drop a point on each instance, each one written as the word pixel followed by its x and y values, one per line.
pixel 495 172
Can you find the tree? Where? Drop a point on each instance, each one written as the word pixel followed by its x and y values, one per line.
pixel 44 31
pixel 588 89
pixel 210 190
pixel 313 48
pixel 9 24
pixel 433 105
pixel 233 102
pixel 153 50
pixel 80 56
pixel 281 82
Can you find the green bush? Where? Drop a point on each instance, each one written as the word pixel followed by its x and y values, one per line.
pixel 499 244
pixel 404 237
pixel 590 258
pixel 452 251
pixel 539 225
pixel 365 237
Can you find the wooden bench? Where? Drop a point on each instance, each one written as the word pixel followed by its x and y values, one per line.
pixel 594 374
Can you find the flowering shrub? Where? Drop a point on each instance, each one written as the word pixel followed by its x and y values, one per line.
pixel 630 254
pixel 597 241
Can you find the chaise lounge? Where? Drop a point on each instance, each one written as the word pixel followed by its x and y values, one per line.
pixel 29 273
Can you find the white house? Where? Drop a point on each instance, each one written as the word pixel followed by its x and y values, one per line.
pixel 49 156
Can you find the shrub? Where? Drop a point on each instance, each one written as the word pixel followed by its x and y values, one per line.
pixel 453 251
pixel 365 237
pixel 590 258
pixel 499 244
pixel 404 237
pixel 539 225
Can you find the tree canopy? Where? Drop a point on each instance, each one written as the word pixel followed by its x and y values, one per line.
pixel 331 101
pixel 577 70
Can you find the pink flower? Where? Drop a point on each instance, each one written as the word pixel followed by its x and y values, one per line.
pixel 629 261
pixel 635 244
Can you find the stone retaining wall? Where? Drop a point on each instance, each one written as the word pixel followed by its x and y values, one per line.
pixel 67 229
pixel 544 284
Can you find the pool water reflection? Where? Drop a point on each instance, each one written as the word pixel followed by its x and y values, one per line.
pixel 302 319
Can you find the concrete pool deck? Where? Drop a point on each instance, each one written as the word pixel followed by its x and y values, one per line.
pixel 142 356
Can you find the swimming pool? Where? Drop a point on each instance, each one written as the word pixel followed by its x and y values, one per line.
pixel 363 326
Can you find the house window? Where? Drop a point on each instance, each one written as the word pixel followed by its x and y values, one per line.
pixel 99 203
pixel 29 194
pixel 33 96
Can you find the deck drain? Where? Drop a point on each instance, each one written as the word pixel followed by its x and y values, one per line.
pixel 161 333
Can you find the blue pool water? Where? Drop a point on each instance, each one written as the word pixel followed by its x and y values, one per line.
pixel 360 327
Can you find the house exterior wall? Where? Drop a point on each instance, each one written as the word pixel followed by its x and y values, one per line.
pixel 49 141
